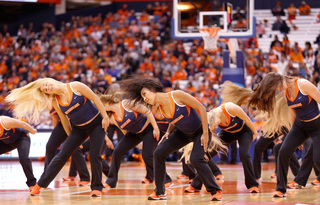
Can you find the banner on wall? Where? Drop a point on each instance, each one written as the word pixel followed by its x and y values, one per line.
pixel 37 147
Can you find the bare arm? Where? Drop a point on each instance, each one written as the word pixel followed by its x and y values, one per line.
pixel 166 135
pixel 10 123
pixel 116 124
pixel 170 128
pixel 186 99
pixel 55 119
pixel 293 116
pixel 235 110
pixel 308 88
pixel 88 93
pixel 63 118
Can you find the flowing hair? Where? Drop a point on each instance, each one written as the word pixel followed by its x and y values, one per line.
pixel 29 101
pixel 264 94
pixel 114 98
pixel 215 145
pixel 231 92
pixel 132 88
pixel 278 119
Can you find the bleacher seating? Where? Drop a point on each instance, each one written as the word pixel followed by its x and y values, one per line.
pixel 308 29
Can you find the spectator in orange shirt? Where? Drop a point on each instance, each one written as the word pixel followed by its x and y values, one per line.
pixel 157 11
pixel 251 69
pixel 3 66
pixel 285 41
pixel 13 81
pixel 252 41
pixel 146 65
pixel 304 9
pixel 181 74
pixel 123 11
pixel 158 54
pixel 277 48
pixel 241 23
pixel 190 88
pixel 292 12
pixel 296 56
pixel 272 57
pixel 143 18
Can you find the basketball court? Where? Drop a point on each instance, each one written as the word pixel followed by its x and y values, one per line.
pixel 189 17
pixel 129 190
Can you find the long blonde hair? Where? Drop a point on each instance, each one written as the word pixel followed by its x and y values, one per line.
pixel 113 98
pixel 231 92
pixel 279 118
pixel 29 101
pixel 214 145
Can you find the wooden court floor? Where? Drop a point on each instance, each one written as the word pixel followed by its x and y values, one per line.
pixel 13 189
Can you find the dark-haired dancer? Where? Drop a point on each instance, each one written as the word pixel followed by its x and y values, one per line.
pixel 303 98
pixel 188 172
pixel 180 109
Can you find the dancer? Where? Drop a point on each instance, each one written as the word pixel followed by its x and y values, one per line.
pixel 303 98
pixel 139 125
pixel 12 137
pixel 180 109
pixel 235 125
pixel 57 137
pixel 277 124
pixel 74 101
pixel 188 172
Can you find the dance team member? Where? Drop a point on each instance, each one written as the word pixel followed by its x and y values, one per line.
pixel 188 172
pixel 274 127
pixel 138 124
pixel 235 124
pixel 180 109
pixel 74 101
pixel 13 137
pixel 303 98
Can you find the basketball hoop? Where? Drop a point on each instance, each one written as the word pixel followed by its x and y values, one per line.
pixel 210 37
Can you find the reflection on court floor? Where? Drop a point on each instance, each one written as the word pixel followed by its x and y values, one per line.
pixel 130 190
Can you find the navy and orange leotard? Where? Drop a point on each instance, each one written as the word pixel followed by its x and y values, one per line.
pixel 305 106
pixel 235 124
pixel 8 136
pixel 131 121
pixel 184 117
pixel 162 123
pixel 79 109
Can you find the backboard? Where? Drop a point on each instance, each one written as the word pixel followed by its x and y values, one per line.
pixel 234 17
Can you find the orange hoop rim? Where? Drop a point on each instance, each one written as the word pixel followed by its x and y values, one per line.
pixel 212 31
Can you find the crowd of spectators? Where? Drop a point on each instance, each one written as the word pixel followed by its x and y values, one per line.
pixel 99 50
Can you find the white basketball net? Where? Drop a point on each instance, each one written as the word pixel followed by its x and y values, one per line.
pixel 210 37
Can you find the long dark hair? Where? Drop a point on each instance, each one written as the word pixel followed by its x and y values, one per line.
pixel 263 97
pixel 132 88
